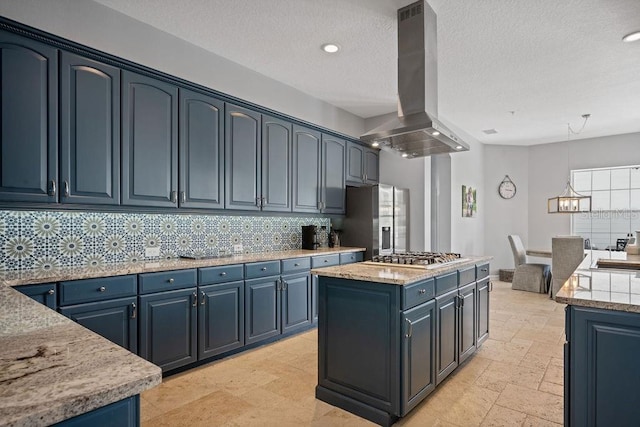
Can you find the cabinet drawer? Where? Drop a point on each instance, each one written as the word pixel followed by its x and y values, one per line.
pixel 482 271
pixel 417 293
pixel 351 257
pixel 261 269
pixel 325 260
pixel 446 282
pixel 167 280
pixel 225 273
pixel 295 264
pixel 89 290
pixel 467 275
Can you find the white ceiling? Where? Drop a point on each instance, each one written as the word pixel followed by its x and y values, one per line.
pixel 549 61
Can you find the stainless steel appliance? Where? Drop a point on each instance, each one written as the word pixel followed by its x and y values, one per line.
pixel 377 219
pixel 416 132
pixel 418 259
pixel 310 237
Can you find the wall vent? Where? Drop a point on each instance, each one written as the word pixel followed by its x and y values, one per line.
pixel 490 131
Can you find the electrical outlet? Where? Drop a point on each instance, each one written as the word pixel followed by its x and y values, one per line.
pixel 152 252
pixel 237 249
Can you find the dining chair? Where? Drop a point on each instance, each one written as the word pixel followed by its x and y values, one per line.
pixel 528 276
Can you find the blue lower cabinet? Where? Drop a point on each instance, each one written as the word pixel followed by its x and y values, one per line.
pixel 124 413
pixel 296 301
pixel 220 318
pixel 116 320
pixel 418 354
pixel 601 367
pixel 45 293
pixel 262 308
pixel 467 321
pixel 483 289
pixel 447 335
pixel 168 328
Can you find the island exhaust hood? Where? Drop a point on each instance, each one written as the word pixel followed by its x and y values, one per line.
pixel 416 132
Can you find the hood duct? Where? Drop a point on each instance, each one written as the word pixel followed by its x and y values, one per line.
pixel 416 132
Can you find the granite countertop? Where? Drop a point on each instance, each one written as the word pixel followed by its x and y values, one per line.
pixel 52 369
pixel 604 288
pixel 30 277
pixel 393 274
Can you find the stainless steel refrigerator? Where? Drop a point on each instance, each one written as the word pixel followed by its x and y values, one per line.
pixel 377 219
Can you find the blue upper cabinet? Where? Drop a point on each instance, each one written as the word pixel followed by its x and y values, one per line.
pixel 89 131
pixel 306 170
pixel 333 175
pixel 276 165
pixel 149 141
pixel 29 126
pixel 242 154
pixel 355 163
pixel 371 166
pixel 201 151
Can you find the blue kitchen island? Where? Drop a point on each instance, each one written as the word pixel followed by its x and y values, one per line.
pixel 388 335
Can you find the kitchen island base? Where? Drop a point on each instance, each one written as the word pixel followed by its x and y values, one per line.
pixel 383 347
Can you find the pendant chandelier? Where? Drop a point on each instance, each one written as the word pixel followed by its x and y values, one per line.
pixel 570 201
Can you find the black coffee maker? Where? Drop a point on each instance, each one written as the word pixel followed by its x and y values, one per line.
pixel 310 237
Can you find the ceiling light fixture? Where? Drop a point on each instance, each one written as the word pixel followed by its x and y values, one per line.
pixel 404 155
pixel 436 133
pixel 330 47
pixel 459 147
pixel 631 37
pixel 375 144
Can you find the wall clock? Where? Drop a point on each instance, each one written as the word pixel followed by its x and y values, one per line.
pixel 507 189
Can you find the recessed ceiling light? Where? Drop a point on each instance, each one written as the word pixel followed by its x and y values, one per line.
pixel 490 131
pixel 435 133
pixel 330 47
pixel 404 154
pixel 459 147
pixel 631 37
pixel 375 144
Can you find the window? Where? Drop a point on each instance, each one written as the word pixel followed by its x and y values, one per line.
pixel 615 204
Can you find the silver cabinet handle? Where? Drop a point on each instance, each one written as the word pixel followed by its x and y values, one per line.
pixel 224 273
pixel 51 291
pixel 102 289
pixel 134 310
pixel 66 188
pixel 174 196
pixel 204 296
pixel 278 285
pixel 171 280
pixel 422 291
pixel 284 285
pixel 484 270
pixel 52 190
pixel 195 299
pixel 462 302
pixel 410 331
pixel 183 197
pixel 258 201
pixel 326 260
pixel 296 265
pixel 490 286
pixel 262 202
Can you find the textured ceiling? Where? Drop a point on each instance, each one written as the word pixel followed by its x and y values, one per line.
pixel 549 61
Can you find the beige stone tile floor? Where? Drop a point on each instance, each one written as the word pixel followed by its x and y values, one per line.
pixel 515 379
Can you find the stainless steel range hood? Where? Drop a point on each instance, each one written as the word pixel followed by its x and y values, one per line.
pixel 416 132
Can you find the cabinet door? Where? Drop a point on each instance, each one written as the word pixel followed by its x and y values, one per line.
pixel 201 151
pixel 276 165
pixel 306 170
pixel 29 127
pixel 149 141
pixel 116 320
pixel 44 293
pixel 483 310
pixel 355 163
pixel 467 319
pixel 89 131
pixel 262 308
pixel 168 328
pixel 314 298
pixel 333 175
pixel 296 301
pixel 418 354
pixel 242 158
pixel 447 342
pixel 220 318
pixel 370 166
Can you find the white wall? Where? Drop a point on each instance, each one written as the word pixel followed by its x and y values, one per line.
pixel 504 217
pixel 105 29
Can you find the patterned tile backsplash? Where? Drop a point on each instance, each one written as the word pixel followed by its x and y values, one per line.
pixel 50 239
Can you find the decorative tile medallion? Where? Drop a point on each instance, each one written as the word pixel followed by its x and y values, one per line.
pixel 48 240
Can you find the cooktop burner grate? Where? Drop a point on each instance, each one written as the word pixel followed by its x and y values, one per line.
pixel 417 258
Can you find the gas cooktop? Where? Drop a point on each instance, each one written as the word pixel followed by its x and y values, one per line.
pixel 418 259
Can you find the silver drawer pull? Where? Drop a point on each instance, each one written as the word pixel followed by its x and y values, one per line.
pixel 224 273
pixel 422 291
pixel 296 265
pixel 171 280
pixel 326 260
pixel 484 270
pixel 264 269
pixel 102 289
pixel 51 291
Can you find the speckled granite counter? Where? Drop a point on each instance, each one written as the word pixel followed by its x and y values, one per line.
pixel 28 277
pixel 395 275
pixel 608 289
pixel 52 369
